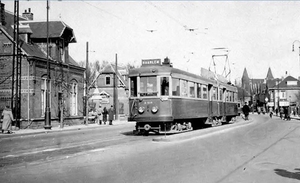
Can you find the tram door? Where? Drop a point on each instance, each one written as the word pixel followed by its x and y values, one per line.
pixel 210 101
pixel 223 101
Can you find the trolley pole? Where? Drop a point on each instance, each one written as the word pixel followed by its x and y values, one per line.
pixel 86 83
pixel 116 100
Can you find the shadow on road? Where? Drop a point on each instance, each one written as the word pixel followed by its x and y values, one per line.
pixel 288 174
pixel 131 133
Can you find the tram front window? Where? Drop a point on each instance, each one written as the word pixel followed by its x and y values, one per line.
pixel 164 86
pixel 133 86
pixel 148 86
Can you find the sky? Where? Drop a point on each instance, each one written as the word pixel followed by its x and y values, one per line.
pixel 254 35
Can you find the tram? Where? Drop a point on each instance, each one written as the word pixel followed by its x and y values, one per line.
pixel 166 99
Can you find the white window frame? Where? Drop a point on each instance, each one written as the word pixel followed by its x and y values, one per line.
pixel 74 99
pixel 43 95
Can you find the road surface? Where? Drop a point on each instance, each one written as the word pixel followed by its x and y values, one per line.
pixel 263 150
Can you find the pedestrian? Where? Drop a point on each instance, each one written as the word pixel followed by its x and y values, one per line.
pixel 246 111
pixel 281 111
pixel 285 109
pixel 271 112
pixel 7 119
pixel 289 113
pixel 105 112
pixel 110 114
pixel 100 115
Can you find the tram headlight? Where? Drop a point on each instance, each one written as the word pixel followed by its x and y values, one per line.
pixel 154 109
pixel 141 110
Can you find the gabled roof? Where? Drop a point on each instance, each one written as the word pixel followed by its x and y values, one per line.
pixel 56 29
pixel 109 69
pixel 32 49
pixel 283 84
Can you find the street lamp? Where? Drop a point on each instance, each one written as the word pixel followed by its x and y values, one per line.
pixel 297 41
pixel 47 110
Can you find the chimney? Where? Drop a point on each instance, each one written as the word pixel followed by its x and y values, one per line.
pixel 2 14
pixel 28 15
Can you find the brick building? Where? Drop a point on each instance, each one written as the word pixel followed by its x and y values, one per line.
pixel 66 76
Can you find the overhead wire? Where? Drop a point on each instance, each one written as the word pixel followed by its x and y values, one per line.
pixel 115 16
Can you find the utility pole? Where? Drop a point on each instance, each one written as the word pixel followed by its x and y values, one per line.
pixel 47 111
pixel 86 83
pixel 116 101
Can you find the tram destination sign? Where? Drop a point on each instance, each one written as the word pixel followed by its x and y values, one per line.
pixel 149 62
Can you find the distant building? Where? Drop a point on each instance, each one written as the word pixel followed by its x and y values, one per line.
pixel 66 76
pixel 284 93
pixel 270 91
pixel 104 87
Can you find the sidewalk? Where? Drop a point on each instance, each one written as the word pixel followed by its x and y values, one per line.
pixel 58 129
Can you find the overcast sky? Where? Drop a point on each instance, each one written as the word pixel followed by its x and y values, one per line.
pixel 257 34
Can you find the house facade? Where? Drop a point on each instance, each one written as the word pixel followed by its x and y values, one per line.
pixel 104 87
pixel 284 93
pixel 66 76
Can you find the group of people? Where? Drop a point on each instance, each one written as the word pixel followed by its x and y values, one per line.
pixel 102 115
pixel 285 113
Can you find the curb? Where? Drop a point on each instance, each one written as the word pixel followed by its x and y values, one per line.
pixel 73 128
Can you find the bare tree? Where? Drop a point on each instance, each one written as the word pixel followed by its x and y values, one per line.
pixel 298 97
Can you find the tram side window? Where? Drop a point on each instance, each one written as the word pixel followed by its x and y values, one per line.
pixel 175 87
pixel 199 94
pixel 235 97
pixel 221 94
pixel 204 89
pixel 148 86
pixel 164 85
pixel 184 88
pixel 215 91
pixel 192 89
pixel 133 86
pixel 227 96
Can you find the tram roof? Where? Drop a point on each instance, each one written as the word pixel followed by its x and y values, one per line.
pixel 167 70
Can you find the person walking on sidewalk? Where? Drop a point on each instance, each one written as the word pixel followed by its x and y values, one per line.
pixel 8 118
pixel 246 111
pixel 281 111
pixel 271 112
pixel 111 114
pixel 105 112
pixel 100 115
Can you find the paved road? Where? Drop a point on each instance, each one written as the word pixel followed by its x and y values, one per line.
pixel 28 148
pixel 264 150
